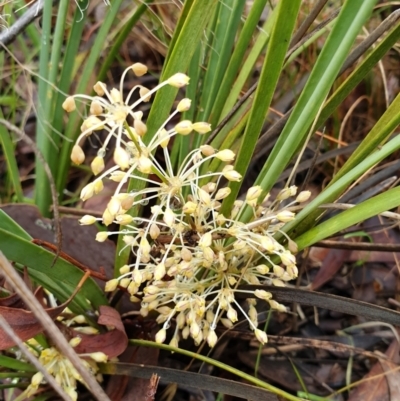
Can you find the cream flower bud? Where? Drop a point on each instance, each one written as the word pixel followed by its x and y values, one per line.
pixel 277 306
pixel 194 330
pixel 139 69
pixel 225 155
pixel 99 357
pixel 92 123
pixel 184 127
pixel 267 243
pixel 99 88
pixel 222 193
pixel 69 104
pixel 292 246
pixel 178 80
pixel 117 176
pixel 253 315
pixel 144 246
pixel 111 285
pixel 169 217
pixel 124 269
pixel 160 336
pixel 97 165
pixel 205 240
pixel 129 240
pixel 263 269
pixel 232 315
pixel 159 271
pixel 252 195
pixel 287 193
pixel 174 342
pixel 226 323
pixel 231 175
pixel 292 271
pixel 279 271
pixel 263 294
pixel 107 217
pixel 137 277
pixel 285 216
pixel 87 192
pixel 101 236
pixel 185 332
pixel 210 187
pixel 186 254
pixel 208 255
pixel 202 127
pixel 303 196
pixel 287 258
pixel 37 379
pixel 261 336
pixel 124 219
pixel 207 150
pixel 184 105
pixel 143 91
pixel 151 290
pixel 140 127
pixel 198 339
pixel 96 108
pixel 73 342
pixel 98 186
pixel 154 231
pixel 121 157
pixel 211 338
pixel 127 202
pixel 144 164
pixel 87 220
pixel 115 95
pixel 189 207
pixel 114 206
pixel 77 155
pixel 204 197
pixel 124 282
pixel 164 138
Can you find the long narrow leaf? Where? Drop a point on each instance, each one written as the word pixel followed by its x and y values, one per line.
pixel 371 207
pixel 276 52
pixel 236 61
pixel 349 22
pixel 61 279
pixel 307 215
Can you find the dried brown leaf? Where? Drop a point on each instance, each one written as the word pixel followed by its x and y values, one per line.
pixel 379 386
pixel 113 342
pixel 22 321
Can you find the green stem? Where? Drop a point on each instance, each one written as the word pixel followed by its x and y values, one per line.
pixel 230 369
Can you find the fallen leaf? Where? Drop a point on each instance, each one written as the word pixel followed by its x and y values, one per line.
pixel 384 387
pixel 78 241
pixel 332 263
pixel 112 343
pixel 24 322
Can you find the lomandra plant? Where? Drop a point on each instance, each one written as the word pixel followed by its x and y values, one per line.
pixel 191 238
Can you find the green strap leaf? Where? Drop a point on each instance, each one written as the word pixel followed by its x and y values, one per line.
pixel 61 279
pixel 274 60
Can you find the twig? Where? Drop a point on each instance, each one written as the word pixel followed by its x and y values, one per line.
pixel 359 246
pixel 13 31
pixel 57 222
pixel 32 359
pixel 52 330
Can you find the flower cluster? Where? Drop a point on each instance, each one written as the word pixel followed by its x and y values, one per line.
pixel 61 368
pixel 190 259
